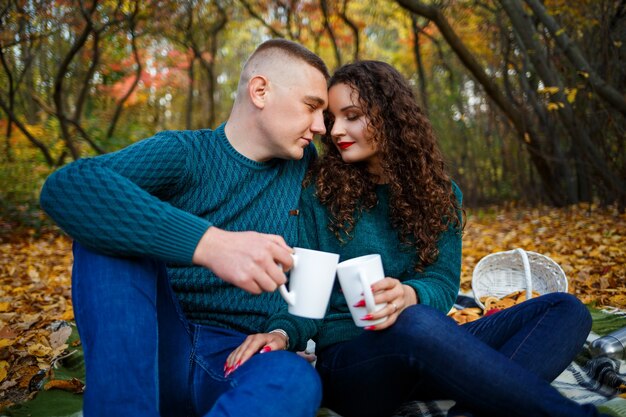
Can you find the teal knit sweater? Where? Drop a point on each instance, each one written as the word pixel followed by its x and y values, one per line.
pixel 436 286
pixel 157 197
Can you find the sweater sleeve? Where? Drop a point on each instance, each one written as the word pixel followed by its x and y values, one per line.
pixel 438 285
pixel 300 329
pixel 113 203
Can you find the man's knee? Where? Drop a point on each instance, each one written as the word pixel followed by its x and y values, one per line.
pixel 298 376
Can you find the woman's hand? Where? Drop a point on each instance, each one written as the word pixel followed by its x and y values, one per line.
pixel 397 296
pixel 255 343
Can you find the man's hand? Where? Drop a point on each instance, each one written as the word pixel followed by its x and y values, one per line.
pixel 249 260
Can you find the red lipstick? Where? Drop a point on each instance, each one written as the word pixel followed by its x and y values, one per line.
pixel 345 145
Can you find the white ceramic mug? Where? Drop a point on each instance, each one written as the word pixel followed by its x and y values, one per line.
pixel 310 283
pixel 356 277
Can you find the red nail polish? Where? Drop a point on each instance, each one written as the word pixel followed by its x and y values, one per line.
pixel 265 349
pixel 225 366
pixel 228 371
pixel 366 317
pixel 370 327
pixel 360 304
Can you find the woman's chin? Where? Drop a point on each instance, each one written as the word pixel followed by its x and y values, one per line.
pixel 348 160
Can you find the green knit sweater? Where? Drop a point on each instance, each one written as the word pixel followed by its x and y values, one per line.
pixel 157 197
pixel 436 286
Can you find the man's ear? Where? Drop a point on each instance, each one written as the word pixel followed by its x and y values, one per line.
pixel 258 88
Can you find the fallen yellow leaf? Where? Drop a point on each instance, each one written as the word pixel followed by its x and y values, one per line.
pixel 6 342
pixel 37 349
pixel 4 366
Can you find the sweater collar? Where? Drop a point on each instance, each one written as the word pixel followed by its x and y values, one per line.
pixel 231 151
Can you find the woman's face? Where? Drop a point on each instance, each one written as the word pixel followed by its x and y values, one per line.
pixel 349 133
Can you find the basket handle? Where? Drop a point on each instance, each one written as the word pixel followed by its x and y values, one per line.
pixel 529 281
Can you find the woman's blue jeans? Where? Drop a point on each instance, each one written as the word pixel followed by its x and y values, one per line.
pixel 143 358
pixel 500 365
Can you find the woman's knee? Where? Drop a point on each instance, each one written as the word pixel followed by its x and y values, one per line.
pixel 571 308
pixel 423 318
pixel 420 324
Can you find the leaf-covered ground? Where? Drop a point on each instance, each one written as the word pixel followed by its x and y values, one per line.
pixel 589 243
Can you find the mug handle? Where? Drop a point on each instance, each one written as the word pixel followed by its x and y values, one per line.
pixel 370 305
pixel 290 297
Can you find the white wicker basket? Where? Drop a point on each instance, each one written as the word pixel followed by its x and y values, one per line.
pixel 502 273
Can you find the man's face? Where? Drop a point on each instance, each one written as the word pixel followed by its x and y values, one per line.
pixel 294 111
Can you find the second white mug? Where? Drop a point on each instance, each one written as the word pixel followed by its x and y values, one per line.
pixel 356 277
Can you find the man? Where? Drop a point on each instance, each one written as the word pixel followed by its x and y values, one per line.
pixel 218 207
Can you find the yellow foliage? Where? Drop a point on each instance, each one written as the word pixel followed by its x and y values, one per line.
pixel 588 243
pixel 548 90
pixel 554 106
pixel 571 94
pixel 38 349
pixel 4 365
pixel 6 342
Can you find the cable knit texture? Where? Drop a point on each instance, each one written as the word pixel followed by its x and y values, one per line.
pixel 436 286
pixel 157 198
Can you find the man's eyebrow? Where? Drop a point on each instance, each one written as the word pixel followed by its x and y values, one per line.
pixel 319 101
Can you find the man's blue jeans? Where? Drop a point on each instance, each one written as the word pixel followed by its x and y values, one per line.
pixel 500 365
pixel 143 358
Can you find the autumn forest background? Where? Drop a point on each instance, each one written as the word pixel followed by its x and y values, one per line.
pixel 527 98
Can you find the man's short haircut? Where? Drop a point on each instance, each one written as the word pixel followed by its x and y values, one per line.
pixel 291 49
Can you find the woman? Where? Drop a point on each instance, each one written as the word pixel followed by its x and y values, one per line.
pixel 381 187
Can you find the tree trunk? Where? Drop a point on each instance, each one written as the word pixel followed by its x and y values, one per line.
pixel 575 56
pixel 138 69
pixel 10 106
pixel 536 53
pixel 58 84
pixel 331 33
pixel 418 62
pixel 190 90
pixel 353 27
pixel 526 133
pixel 30 107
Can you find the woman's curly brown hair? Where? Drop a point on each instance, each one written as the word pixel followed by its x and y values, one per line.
pixel 422 201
